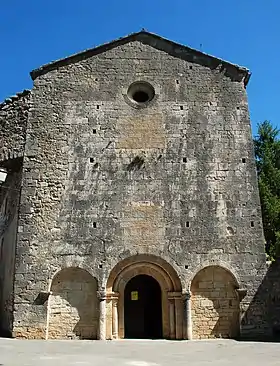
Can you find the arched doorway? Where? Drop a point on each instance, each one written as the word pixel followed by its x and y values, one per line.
pixel 215 304
pixel 142 308
pixel 152 272
pixel 73 305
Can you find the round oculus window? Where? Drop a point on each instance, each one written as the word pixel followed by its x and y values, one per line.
pixel 141 92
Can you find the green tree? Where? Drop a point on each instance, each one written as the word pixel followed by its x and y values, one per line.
pixel 267 152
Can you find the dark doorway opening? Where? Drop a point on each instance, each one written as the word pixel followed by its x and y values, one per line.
pixel 142 308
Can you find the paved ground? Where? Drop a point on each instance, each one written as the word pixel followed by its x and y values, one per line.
pixel 138 353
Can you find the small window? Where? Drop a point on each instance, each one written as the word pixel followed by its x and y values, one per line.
pixel 94 225
pixel 94 130
pixel 187 224
pixel 243 160
pixel 91 160
pixel 184 160
pixel 140 96
pixel 252 224
pixel 141 92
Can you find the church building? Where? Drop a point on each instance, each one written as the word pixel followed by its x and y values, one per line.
pixel 129 205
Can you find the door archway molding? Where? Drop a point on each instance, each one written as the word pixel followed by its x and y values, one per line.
pixel 169 282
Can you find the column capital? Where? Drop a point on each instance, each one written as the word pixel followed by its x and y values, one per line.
pixel 241 293
pixel 187 295
pixel 101 294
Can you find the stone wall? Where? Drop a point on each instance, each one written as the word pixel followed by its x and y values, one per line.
pixel 9 205
pixel 264 308
pixel 103 181
pixel 215 304
pixel 13 121
pixel 73 306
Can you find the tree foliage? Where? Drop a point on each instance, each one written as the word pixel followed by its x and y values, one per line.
pixel 267 153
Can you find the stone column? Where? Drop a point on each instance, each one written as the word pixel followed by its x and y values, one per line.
pixel 188 315
pixel 241 293
pixel 172 318
pixel 115 325
pixel 179 317
pixel 102 315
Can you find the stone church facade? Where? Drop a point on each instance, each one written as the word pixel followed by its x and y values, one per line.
pixel 130 207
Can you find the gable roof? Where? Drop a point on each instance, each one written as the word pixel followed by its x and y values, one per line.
pixel 175 49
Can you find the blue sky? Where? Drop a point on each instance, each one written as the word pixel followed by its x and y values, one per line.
pixel 246 32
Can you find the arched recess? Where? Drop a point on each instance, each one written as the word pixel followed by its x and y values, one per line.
pixel 171 288
pixel 73 305
pixel 215 304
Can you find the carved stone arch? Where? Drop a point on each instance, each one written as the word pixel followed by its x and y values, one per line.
pixel 168 280
pixel 73 305
pixel 149 261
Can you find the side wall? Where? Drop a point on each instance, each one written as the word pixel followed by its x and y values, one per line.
pixel 103 181
pixel 265 305
pixel 13 120
pixel 9 205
